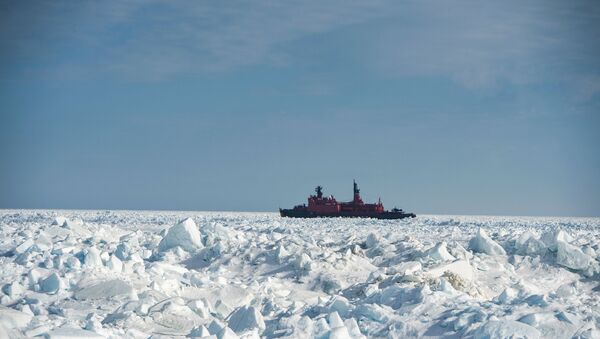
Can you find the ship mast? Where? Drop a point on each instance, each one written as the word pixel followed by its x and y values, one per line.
pixel 319 191
pixel 356 192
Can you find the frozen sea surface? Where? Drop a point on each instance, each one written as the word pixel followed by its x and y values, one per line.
pixel 132 274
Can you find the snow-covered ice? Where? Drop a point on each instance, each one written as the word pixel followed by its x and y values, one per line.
pixel 185 235
pixel 130 274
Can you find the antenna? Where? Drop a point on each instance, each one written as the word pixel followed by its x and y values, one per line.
pixel 319 191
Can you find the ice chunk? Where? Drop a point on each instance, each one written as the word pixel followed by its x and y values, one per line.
pixel 340 305
pixel 339 333
pixel 199 280
pixel 439 252
pixel 34 276
pixel 222 308
pixel 537 300
pixel 185 235
pixel 302 326
pixel 246 318
pixel 459 252
pixel 72 333
pixel 506 329
pixel 551 238
pixel 72 263
pixel 51 284
pixel 551 324
pixel 123 251
pixel 114 264
pixel 60 220
pixel 200 307
pixel 508 295
pixel 523 237
pixel 24 246
pixel 334 320
pixel 71 223
pixel 36 331
pixel 375 277
pixel 227 333
pixel 199 332
pixel 92 257
pixel 13 289
pixel 396 296
pixel 174 316
pixel 93 323
pixel 571 256
pixel 589 331
pixel 105 289
pixel 215 326
pixel 320 328
pixel 24 259
pixel 587 249
pixel 372 311
pixel 215 232
pixel 281 253
pixel 10 318
pixel 353 329
pixel 372 240
pixel 329 283
pixel 303 262
pixel 531 246
pixel 370 289
pixel 448 282
pixel 406 268
pixel 482 243
pixel 77 228
pixel 461 268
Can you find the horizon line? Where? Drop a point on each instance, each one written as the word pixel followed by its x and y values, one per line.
pixel 2 209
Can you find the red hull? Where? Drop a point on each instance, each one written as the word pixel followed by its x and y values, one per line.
pixel 295 213
pixel 319 206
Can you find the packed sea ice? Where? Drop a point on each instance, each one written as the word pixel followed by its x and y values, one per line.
pixel 126 274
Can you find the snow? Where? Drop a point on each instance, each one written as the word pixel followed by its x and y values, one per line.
pixel 132 274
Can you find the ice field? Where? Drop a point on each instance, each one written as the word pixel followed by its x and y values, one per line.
pixel 130 274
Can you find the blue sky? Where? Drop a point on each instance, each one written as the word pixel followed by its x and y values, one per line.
pixel 438 107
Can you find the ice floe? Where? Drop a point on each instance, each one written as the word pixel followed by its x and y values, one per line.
pixel 252 275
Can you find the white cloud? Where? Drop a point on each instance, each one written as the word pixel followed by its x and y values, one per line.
pixel 156 39
pixel 481 43
pixel 475 43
